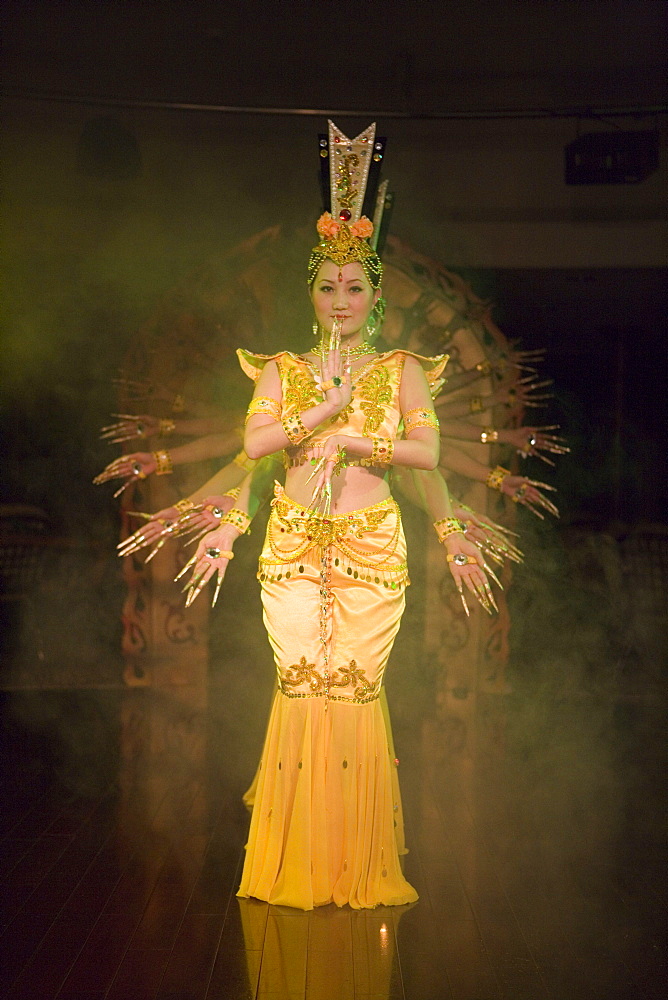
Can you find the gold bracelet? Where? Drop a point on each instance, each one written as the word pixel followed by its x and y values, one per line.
pixel 163 463
pixel 488 435
pixel 382 451
pixel 244 462
pixel 475 404
pixel 495 478
pixel 239 519
pixel 165 427
pixel 294 429
pixel 184 505
pixel 448 526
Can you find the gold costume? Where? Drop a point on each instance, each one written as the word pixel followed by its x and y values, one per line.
pixel 327 823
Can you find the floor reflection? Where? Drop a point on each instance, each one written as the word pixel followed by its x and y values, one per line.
pixel 533 825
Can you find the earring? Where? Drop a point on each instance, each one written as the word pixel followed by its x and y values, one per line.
pixel 316 328
pixel 375 320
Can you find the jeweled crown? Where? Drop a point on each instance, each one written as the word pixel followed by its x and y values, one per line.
pixel 350 171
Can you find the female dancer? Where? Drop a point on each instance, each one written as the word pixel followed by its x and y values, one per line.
pixel 333 575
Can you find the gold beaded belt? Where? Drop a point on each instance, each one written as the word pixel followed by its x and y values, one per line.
pixel 368 543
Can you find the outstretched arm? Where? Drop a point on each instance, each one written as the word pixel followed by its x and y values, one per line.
pixel 141 464
pixel 215 549
pixel 520 489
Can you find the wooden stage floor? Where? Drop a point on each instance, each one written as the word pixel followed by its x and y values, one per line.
pixel 537 844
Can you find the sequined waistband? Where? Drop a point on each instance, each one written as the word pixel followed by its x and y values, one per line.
pixel 326 530
pixel 369 541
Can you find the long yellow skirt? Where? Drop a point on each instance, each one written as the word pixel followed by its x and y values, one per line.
pixel 327 824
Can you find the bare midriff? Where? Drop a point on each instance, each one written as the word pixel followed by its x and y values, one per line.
pixel 353 488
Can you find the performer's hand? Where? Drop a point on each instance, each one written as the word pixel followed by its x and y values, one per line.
pixel 522 392
pixel 525 360
pixel 212 558
pixel 138 465
pixel 528 492
pixel 158 528
pixel 470 574
pixel 534 440
pixel 334 381
pixel 331 462
pixel 207 513
pixel 494 539
pixel 130 427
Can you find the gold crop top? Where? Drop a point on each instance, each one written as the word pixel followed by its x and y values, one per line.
pixel 373 410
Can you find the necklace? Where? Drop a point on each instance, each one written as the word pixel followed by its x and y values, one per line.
pixel 351 352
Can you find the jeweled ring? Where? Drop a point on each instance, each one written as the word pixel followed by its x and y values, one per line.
pixel 461 559
pixel 213 553
pixel 532 442
pixel 521 490
pixel 333 383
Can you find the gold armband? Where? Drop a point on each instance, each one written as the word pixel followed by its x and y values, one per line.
pixel 475 404
pixel 183 506
pixel 295 431
pixel 244 462
pixel 233 493
pixel 239 519
pixel 488 435
pixel 420 417
pixel 163 463
pixel 166 427
pixel 448 526
pixel 265 405
pixel 496 477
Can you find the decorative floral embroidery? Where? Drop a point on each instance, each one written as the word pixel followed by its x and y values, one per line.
pixel 375 393
pixel 344 415
pixel 299 390
pixel 351 676
pixel 303 673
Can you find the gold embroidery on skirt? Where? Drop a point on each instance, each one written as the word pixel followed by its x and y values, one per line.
pixel 350 676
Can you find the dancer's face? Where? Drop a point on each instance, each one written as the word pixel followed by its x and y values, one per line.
pixel 343 292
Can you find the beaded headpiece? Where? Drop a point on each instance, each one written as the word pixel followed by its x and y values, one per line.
pixel 350 170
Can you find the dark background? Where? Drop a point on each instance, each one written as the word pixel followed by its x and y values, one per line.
pixel 143 140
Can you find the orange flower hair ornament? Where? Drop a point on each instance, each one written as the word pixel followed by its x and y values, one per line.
pixel 345 244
